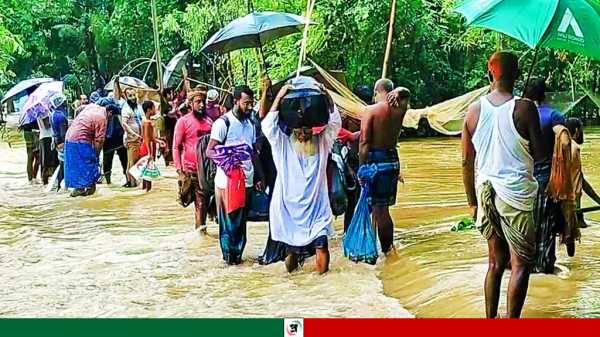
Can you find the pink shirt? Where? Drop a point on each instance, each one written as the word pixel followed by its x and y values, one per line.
pixel 187 132
pixel 89 126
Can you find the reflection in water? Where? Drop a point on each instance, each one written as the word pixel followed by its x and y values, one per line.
pixel 127 253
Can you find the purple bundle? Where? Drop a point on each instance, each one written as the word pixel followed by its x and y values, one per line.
pixel 229 157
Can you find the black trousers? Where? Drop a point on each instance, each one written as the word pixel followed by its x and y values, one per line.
pixel 107 160
pixel 61 173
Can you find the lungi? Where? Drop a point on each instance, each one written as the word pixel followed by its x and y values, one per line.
pixel 82 168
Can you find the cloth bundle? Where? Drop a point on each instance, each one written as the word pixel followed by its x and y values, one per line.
pixel 229 159
pixel 561 186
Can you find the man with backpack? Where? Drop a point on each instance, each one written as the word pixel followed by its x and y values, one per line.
pixel 231 147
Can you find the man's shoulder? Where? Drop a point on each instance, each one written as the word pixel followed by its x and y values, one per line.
pixel 221 122
pixel 525 106
pixel 379 107
pixel 524 102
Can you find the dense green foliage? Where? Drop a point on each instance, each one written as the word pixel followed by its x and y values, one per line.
pixel 433 53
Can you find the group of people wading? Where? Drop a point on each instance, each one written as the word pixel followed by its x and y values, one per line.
pixel 521 167
pixel 248 159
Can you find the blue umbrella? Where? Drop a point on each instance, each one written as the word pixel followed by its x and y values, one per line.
pixel 40 101
pixel 24 85
pixel 254 30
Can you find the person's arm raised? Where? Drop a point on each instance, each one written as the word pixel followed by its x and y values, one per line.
pixel 264 99
pixel 117 87
pixel 282 92
pixel 186 82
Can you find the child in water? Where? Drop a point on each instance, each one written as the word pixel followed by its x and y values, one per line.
pixel 149 140
pixel 575 127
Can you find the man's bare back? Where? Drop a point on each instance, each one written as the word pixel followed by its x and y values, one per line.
pixel 385 125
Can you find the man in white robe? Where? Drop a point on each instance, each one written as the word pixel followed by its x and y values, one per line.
pixel 300 214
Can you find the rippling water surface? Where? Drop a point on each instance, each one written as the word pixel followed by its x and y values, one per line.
pixel 130 253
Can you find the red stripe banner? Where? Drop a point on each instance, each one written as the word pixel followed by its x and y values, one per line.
pixel 448 327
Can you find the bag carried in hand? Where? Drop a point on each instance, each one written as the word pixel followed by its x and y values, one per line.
pixel 150 171
pixel 145 169
pixel 185 194
pixel 360 241
pixel 259 206
pixel 234 196
pixel 338 197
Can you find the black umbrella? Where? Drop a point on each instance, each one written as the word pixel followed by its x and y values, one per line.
pixel 254 30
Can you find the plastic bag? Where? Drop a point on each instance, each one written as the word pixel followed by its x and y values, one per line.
pixel 360 241
pixel 235 193
pixel 259 206
pixel 145 169
pixel 150 171
pixel 463 225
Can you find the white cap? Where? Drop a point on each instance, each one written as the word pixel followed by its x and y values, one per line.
pixel 212 95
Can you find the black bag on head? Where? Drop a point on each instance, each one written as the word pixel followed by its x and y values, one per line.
pixel 304 105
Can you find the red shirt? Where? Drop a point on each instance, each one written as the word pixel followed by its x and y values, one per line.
pixel 187 132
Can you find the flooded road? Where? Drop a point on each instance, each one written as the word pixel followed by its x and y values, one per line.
pixel 124 253
pixel 130 253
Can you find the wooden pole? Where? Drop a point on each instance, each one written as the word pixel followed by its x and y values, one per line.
pixel 589 209
pixel 498 41
pixel 159 71
pixel 388 47
pixel 535 55
pixel 147 68
pixel 310 4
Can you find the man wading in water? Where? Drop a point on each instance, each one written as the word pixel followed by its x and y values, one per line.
pixel 379 130
pixel 503 133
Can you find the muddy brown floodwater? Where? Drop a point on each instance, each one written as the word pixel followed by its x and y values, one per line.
pixel 130 253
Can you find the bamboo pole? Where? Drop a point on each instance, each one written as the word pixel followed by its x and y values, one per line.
pixel 148 68
pixel 310 4
pixel 388 47
pixel 589 209
pixel 535 56
pixel 159 71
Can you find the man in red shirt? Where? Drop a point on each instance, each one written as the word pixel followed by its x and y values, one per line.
pixel 188 130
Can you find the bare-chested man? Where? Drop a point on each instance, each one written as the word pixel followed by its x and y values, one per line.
pixel 379 130
pixel 503 133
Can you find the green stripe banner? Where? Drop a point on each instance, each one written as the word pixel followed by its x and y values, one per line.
pixel 142 327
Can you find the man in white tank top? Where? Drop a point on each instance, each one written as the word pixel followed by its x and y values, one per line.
pixel 501 139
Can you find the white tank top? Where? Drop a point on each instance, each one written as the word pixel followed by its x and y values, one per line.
pixel 503 157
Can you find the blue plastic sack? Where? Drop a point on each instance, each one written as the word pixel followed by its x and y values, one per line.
pixel 360 241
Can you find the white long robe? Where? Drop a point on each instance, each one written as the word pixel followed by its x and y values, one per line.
pixel 300 210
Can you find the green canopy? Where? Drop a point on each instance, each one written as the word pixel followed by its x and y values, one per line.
pixel 572 25
pixel 565 101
